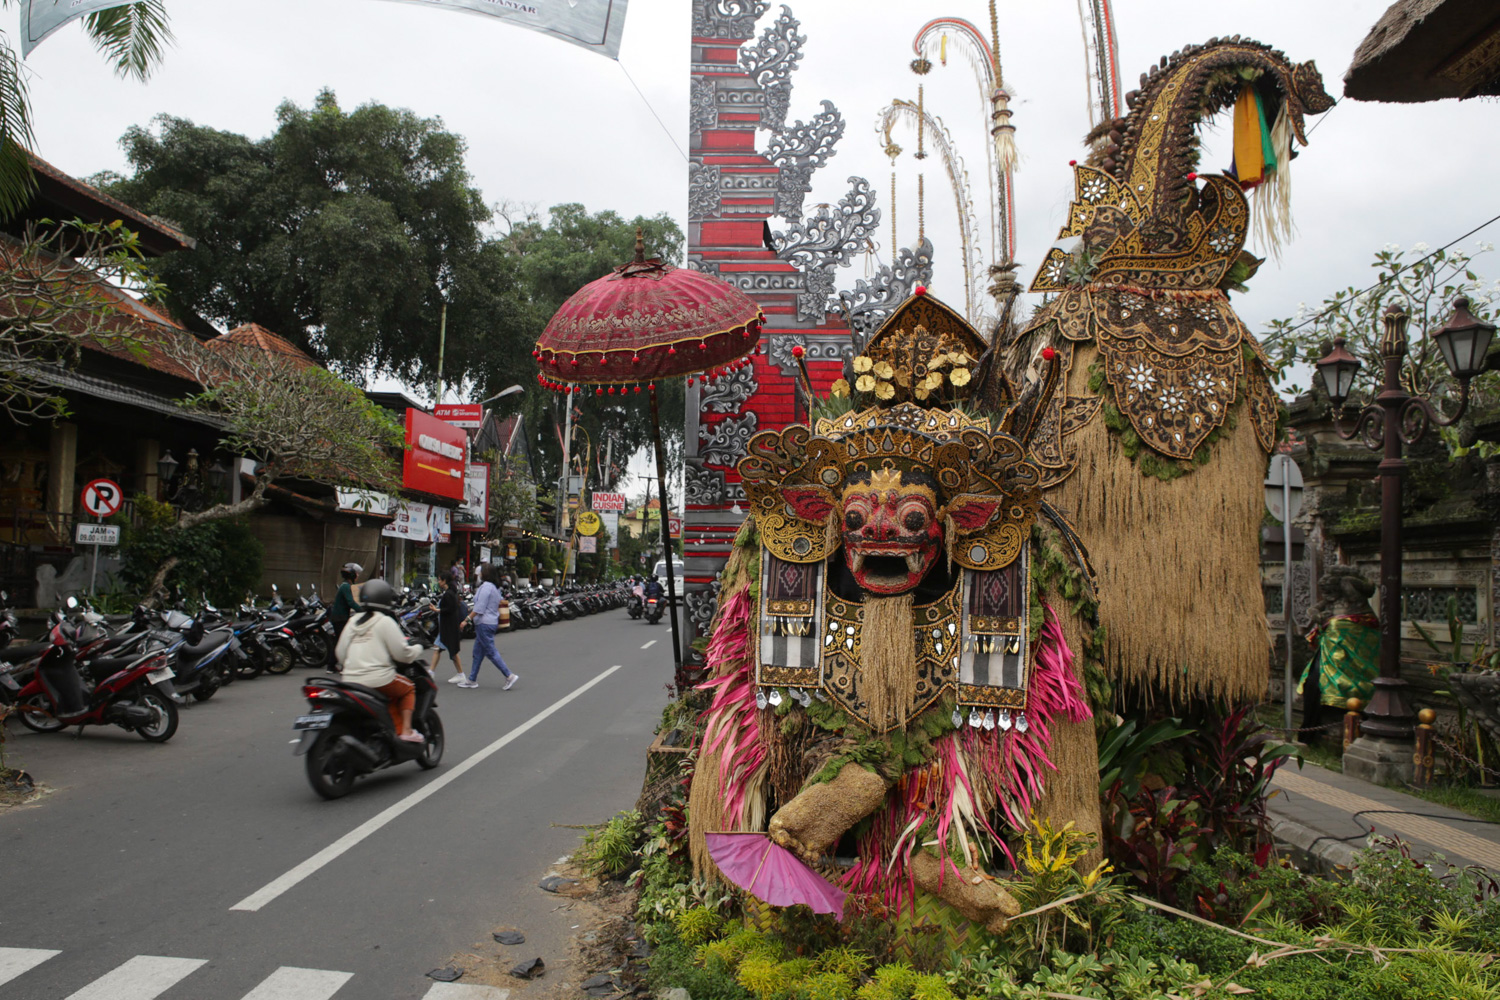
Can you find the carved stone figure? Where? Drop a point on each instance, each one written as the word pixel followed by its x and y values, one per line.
pixel 1346 643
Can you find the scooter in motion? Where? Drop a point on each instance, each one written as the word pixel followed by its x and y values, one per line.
pixel 349 732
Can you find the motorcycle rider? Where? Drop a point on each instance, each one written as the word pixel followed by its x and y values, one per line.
pixel 653 587
pixel 367 647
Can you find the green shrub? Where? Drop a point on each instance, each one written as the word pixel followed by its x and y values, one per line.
pixel 698 925
pixel 609 851
pixel 890 982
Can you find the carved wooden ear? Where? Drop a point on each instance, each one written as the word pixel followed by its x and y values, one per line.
pixel 810 503
pixel 971 512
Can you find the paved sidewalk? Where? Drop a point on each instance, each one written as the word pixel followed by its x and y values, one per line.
pixel 1329 815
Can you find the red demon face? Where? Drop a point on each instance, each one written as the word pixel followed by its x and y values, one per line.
pixel 892 533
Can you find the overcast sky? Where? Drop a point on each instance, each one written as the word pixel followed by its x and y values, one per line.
pixel 548 123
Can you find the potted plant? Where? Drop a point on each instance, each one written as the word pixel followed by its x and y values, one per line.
pixel 524 566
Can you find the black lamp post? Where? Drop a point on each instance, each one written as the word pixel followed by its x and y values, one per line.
pixel 1392 420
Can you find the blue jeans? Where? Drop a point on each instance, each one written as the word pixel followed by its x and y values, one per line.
pixel 484 646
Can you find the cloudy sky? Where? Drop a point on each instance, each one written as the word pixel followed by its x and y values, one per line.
pixel 549 123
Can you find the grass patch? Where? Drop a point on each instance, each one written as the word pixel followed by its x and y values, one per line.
pixel 1464 799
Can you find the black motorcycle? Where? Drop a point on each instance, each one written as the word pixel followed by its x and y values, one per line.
pixel 655 606
pixel 633 605
pixel 349 732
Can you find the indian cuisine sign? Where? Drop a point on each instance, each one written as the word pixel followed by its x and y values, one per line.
pixel 595 25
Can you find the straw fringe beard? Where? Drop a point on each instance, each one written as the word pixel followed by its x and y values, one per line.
pixel 888 662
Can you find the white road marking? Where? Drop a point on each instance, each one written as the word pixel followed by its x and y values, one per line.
pixel 649 644
pixel 277 886
pixel 292 983
pixel 458 991
pixel 14 961
pixel 142 978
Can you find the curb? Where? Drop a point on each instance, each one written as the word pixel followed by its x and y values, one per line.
pixel 1324 852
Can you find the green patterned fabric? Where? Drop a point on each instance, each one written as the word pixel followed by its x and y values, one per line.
pixel 1348 659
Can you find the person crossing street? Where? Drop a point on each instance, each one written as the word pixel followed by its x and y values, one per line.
pixel 486 618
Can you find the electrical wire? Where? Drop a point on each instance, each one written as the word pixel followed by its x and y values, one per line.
pixel 1278 334
pixel 670 136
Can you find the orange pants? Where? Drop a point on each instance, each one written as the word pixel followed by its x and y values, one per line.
pixel 402 696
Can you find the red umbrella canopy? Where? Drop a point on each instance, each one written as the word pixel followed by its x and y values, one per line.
pixel 648 320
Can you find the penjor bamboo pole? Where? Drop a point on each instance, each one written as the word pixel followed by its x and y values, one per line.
pixel 666 537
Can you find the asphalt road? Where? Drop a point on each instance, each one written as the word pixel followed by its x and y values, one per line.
pixel 137 859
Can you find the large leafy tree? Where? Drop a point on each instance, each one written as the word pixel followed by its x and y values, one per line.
pixel 131 36
pixel 342 231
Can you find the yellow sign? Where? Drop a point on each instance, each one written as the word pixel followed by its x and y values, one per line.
pixel 589 523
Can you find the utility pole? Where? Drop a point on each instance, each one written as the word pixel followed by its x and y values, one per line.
pixel 437 399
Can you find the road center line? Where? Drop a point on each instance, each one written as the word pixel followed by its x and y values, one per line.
pixel 649 644
pixel 276 887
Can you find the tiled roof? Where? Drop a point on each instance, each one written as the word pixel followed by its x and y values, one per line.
pixel 136 219
pixel 255 335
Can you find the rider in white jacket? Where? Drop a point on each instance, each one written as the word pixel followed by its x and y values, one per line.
pixel 369 646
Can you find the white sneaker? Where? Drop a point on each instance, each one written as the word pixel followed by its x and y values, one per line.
pixel 466 683
pixel 456 679
pixel 512 682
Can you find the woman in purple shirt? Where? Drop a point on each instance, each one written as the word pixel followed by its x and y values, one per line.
pixel 486 618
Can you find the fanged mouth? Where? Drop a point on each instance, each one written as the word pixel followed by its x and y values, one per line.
pixel 893 568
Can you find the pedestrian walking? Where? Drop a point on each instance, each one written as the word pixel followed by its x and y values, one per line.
pixel 345 604
pixel 450 607
pixel 486 618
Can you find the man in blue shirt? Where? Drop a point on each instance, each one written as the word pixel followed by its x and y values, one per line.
pixel 486 618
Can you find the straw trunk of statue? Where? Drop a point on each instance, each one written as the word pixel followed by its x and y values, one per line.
pixel 1157 442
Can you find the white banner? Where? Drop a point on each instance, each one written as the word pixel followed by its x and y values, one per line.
pixel 40 18
pixel 595 25
pixel 364 501
pixel 588 544
pixel 417 522
pixel 611 519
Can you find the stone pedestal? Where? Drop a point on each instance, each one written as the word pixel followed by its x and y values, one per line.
pixel 1379 761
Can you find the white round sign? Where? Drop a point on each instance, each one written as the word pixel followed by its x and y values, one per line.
pixel 102 497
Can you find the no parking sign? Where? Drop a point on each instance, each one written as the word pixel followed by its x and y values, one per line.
pixel 102 497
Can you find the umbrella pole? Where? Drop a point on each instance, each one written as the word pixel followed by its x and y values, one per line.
pixel 666 539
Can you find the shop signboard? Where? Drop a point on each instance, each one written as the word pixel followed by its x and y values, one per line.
pixel 474 513
pixel 603 502
pixel 419 522
pixel 435 453
pixel 469 416
pixel 588 545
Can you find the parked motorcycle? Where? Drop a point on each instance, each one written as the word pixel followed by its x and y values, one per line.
pixel 132 692
pixel 349 732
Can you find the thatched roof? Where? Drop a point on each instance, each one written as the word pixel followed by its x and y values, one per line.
pixel 1428 50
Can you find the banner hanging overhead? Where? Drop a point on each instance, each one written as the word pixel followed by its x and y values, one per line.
pixel 595 25
pixel 40 18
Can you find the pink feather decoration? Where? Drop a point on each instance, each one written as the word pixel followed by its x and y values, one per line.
pixel 732 728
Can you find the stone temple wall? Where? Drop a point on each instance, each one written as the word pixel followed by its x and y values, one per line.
pixel 751 168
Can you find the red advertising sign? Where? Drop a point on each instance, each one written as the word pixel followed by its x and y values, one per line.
pixel 608 501
pixel 434 456
pixel 469 416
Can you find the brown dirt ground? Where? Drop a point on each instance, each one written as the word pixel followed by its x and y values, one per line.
pixel 601 942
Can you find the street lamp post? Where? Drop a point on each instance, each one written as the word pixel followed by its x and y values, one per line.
pixel 1390 422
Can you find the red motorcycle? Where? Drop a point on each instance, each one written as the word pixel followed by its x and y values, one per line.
pixel 133 692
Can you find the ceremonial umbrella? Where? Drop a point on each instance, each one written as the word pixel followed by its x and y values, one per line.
pixel 645 321
pixel 772 874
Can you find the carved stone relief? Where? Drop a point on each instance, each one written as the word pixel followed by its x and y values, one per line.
pixel 726 18
pixel 770 62
pixel 724 443
pixel 873 300
pixel 703 190
pixel 728 393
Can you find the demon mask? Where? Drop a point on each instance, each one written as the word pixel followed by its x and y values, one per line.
pixel 892 533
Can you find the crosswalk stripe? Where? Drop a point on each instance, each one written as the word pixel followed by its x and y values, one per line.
pixel 292 983
pixel 460 991
pixel 14 961
pixel 144 977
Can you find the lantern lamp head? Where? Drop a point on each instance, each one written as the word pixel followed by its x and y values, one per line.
pixel 1337 369
pixel 1464 341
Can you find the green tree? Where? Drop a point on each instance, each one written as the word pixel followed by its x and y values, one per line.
pixel 1426 285
pixel 131 36
pixel 342 231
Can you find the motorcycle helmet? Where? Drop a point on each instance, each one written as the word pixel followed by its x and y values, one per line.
pixel 377 595
pixel 351 570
